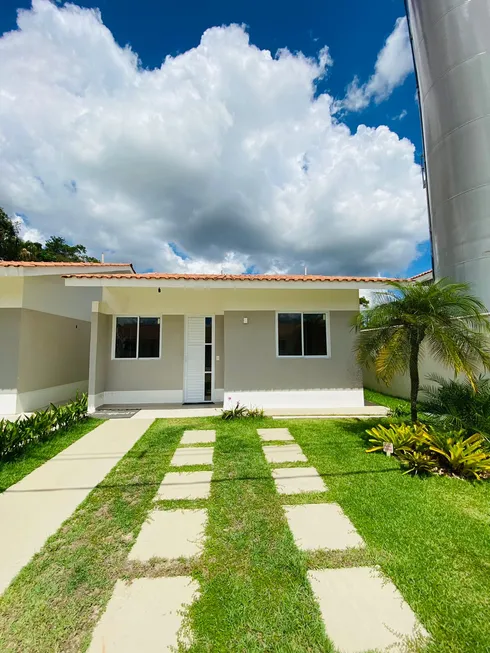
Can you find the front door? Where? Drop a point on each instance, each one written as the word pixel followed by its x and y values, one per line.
pixel 198 366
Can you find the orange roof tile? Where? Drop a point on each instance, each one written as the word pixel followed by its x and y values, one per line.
pixel 48 264
pixel 232 277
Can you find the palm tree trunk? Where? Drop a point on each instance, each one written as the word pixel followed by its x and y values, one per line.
pixel 414 376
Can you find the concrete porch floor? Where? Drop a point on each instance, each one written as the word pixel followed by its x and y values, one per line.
pixel 172 411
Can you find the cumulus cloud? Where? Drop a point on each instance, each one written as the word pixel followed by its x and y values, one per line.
pixel 393 65
pixel 224 157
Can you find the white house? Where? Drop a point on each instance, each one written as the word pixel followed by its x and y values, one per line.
pixel 269 341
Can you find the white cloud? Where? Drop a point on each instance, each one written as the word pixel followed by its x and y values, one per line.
pixel 403 114
pixel 225 151
pixel 393 65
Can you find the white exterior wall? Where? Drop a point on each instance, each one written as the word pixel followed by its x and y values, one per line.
pixel 141 301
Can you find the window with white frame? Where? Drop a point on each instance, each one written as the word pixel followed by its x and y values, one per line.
pixel 137 337
pixel 302 334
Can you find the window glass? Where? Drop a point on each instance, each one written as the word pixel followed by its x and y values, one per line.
pixel 126 336
pixel 208 358
pixel 209 330
pixel 315 334
pixel 289 334
pixel 207 387
pixel 149 338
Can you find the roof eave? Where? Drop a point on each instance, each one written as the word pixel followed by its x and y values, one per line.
pixel 130 282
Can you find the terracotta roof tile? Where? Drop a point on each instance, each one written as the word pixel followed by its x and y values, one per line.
pixel 52 264
pixel 233 277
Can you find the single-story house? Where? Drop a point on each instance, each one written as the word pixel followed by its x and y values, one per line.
pixel 44 332
pixel 270 341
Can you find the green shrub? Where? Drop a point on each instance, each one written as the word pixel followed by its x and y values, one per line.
pixel 464 456
pixel 424 449
pixel 40 426
pixel 242 412
pixel 401 436
pixel 417 462
pixel 453 405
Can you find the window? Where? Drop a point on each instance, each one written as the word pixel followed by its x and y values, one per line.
pixel 137 337
pixel 302 334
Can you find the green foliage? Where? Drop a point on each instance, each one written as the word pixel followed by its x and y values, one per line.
pixel 242 412
pixel 417 462
pixel 14 248
pixel 10 242
pixel 16 436
pixel 463 456
pixel 401 411
pixel 444 317
pixel 453 405
pixel 401 436
pixel 423 449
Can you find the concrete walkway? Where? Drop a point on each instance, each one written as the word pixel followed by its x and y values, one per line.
pixel 33 509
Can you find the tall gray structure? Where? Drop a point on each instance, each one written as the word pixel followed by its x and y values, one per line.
pixel 451 43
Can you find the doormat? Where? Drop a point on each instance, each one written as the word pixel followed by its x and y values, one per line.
pixel 113 413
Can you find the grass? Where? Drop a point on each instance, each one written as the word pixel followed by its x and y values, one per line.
pixel 12 471
pixel 430 536
pixel 385 400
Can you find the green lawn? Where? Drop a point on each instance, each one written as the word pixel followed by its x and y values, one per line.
pixel 385 400
pixel 12 471
pixel 431 536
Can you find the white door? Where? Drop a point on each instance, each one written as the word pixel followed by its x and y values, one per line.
pixel 198 367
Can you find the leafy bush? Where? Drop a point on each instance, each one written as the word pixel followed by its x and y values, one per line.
pixel 401 411
pixel 242 412
pixel 16 436
pixel 460 455
pixel 424 449
pixel 453 405
pixel 417 462
pixel 401 436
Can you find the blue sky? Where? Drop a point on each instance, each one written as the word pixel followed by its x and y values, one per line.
pixel 354 31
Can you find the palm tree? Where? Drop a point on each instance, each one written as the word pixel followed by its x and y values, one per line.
pixel 444 317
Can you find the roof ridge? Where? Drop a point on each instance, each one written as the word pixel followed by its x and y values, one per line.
pixel 31 264
pixel 235 277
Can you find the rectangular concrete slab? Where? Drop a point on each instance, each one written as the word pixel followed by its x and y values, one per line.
pixel 35 507
pixel 185 485
pixel 296 480
pixel 269 435
pixel 198 437
pixel 363 611
pixel 284 453
pixel 321 526
pixel 170 534
pixel 192 456
pixel 145 615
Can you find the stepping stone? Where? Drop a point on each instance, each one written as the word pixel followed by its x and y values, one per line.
pixel 193 456
pixel 269 435
pixel 296 480
pixel 284 453
pixel 363 611
pixel 321 526
pixel 198 437
pixel 144 615
pixel 185 485
pixel 170 534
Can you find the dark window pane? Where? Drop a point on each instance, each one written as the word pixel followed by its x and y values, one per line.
pixel 207 387
pixel 208 358
pixel 149 343
pixel 315 334
pixel 209 330
pixel 289 334
pixel 126 330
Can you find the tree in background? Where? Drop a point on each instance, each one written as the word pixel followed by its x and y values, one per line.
pixel 14 248
pixel 443 316
pixel 10 241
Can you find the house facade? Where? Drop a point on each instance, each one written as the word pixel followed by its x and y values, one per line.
pixel 268 341
pixel 44 333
